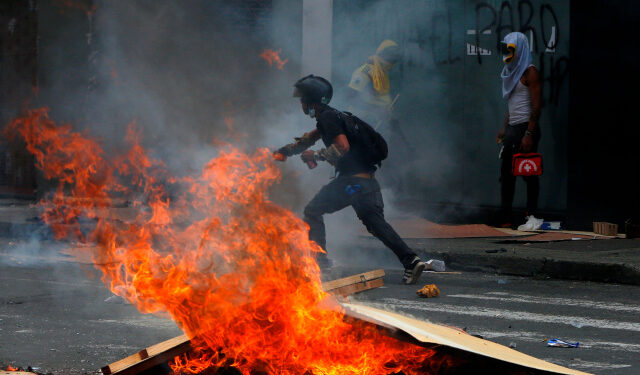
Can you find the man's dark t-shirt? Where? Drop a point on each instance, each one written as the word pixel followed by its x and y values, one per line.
pixel 330 125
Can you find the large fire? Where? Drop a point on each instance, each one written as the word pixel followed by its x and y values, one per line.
pixel 234 270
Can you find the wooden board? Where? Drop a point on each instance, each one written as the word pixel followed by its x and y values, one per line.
pixel 5 372
pixel 434 334
pixel 149 357
pixel 361 278
pixel 357 287
pixel 424 332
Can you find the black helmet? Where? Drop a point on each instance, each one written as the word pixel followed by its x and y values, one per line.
pixel 313 90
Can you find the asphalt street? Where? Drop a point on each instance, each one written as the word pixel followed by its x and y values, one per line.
pixel 57 316
pixel 525 313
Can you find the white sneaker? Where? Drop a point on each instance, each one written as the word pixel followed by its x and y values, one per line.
pixel 532 223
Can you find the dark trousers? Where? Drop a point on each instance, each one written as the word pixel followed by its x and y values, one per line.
pixel 363 194
pixel 512 139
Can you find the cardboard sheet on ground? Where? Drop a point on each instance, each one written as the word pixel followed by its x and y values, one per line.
pixel 429 333
pixel 557 236
pixel 417 227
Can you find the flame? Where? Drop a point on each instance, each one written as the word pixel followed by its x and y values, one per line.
pixel 234 270
pixel 272 56
pixel 11 368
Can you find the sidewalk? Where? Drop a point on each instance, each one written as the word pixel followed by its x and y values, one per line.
pixel 603 260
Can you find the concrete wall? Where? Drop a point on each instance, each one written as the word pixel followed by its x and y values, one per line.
pixel 450 105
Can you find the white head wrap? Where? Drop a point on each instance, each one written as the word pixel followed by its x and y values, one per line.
pixel 512 71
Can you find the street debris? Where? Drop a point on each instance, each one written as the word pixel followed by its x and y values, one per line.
pixel 533 223
pixel 164 353
pixel 12 370
pixel 550 225
pixel 169 349
pixel 435 265
pixel 355 283
pixel 513 345
pixel 605 229
pixel 428 291
pixel 557 343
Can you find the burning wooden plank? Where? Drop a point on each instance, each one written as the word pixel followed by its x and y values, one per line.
pixel 167 350
pixel 399 326
pixel 453 341
pixel 149 357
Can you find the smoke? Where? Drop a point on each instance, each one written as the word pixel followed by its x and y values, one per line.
pixel 190 75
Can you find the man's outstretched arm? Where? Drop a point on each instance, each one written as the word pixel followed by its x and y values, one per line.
pixel 301 143
pixel 331 154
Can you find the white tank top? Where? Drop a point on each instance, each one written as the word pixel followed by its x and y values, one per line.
pixel 519 104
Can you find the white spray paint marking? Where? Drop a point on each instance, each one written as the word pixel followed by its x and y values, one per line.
pixel 510 314
pixel 75 283
pixel 142 321
pixel 473 32
pixel 587 365
pixel 523 298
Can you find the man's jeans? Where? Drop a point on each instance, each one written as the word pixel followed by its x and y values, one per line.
pixel 512 139
pixel 363 194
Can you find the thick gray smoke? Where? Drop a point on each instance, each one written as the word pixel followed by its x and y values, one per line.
pixel 189 74
pixel 179 69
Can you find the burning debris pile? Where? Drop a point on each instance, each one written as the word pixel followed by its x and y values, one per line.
pixel 234 270
pixel 22 371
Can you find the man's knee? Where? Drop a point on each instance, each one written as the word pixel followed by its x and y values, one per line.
pixel 311 212
pixel 372 220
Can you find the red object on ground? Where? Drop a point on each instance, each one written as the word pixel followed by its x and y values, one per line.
pixel 529 164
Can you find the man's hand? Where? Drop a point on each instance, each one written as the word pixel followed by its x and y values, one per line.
pixel 309 157
pixel 279 156
pixel 527 143
pixel 500 136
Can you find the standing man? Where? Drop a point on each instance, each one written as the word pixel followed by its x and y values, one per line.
pixel 369 96
pixel 522 87
pixel 369 88
pixel 355 184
